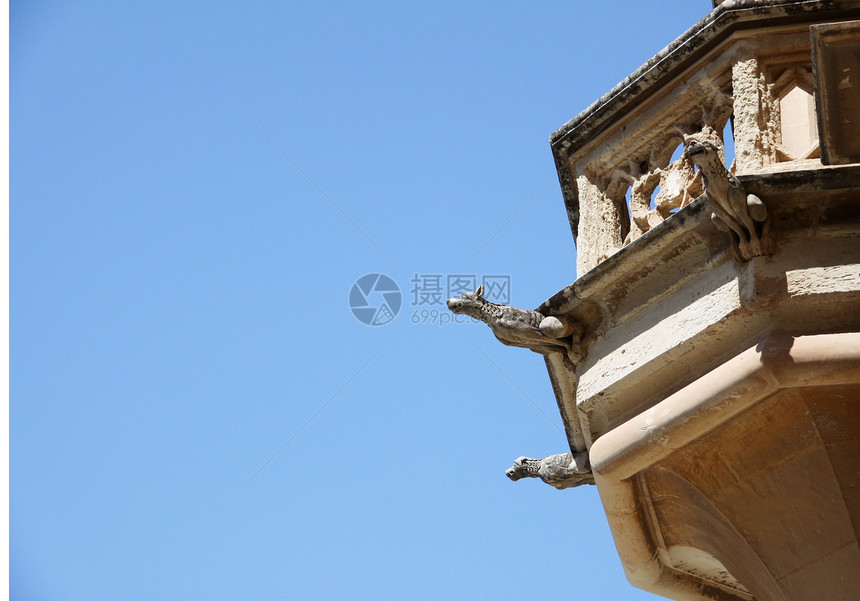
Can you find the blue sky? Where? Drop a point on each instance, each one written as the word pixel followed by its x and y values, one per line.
pixel 194 188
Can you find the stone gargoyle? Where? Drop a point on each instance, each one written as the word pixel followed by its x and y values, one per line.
pixel 561 471
pixel 743 215
pixel 522 327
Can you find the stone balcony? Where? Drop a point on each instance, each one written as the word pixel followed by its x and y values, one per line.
pixel 745 72
pixel 718 393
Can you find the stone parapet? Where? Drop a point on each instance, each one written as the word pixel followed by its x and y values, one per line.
pixel 744 71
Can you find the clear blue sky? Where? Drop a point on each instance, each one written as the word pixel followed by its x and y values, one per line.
pixel 194 189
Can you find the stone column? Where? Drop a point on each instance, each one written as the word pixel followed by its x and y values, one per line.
pixel 751 143
pixel 600 225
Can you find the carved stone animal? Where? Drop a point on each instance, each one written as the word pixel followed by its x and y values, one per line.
pixel 522 327
pixel 743 215
pixel 561 471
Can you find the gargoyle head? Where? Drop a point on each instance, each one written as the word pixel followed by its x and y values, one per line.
pixel 703 154
pixel 468 303
pixel 523 467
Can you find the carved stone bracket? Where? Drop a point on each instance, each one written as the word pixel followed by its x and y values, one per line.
pixel 544 334
pixel 743 215
pixel 561 471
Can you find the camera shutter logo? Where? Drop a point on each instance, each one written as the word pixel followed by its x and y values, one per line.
pixel 375 299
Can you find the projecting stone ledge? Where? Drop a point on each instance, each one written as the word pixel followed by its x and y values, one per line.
pixel 743 484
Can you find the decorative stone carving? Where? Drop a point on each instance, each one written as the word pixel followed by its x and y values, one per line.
pixel 679 186
pixel 743 215
pixel 561 471
pixel 522 327
pixel 639 177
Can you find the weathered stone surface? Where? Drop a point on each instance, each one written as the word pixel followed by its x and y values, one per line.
pixel 836 58
pixel 675 301
pixel 735 211
pixel 734 64
pixel 522 327
pixel 562 471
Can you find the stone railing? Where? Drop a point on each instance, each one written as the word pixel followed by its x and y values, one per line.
pixel 728 81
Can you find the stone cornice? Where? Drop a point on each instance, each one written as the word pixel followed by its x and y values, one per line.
pixel 695 42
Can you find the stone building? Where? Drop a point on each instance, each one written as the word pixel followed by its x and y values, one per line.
pixel 706 362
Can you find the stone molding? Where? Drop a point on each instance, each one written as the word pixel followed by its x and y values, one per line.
pixel 777 362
